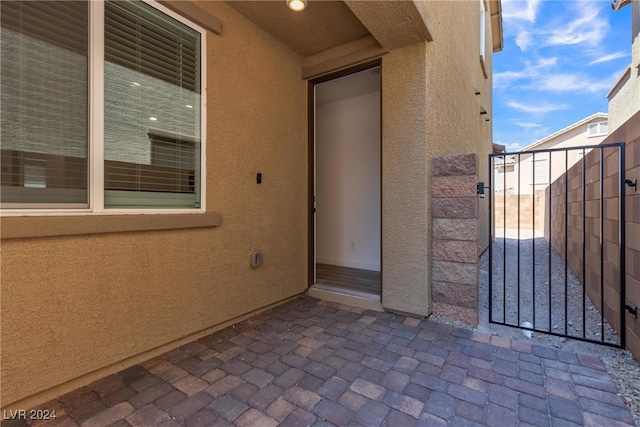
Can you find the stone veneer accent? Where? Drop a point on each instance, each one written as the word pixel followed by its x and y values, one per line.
pixel 454 276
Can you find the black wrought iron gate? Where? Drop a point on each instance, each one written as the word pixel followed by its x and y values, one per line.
pixel 557 261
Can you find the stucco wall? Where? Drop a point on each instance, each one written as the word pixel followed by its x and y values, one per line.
pixel 429 109
pixel 454 73
pixel 76 307
pixel 624 102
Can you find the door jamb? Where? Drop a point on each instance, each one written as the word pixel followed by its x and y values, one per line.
pixel 311 106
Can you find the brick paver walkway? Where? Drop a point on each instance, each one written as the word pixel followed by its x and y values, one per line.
pixel 309 362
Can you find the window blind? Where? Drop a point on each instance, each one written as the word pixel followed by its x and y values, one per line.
pixel 43 102
pixel 152 80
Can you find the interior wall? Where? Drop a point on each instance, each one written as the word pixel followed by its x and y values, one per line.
pixel 348 182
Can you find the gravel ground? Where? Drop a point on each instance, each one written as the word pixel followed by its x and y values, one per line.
pixel 624 370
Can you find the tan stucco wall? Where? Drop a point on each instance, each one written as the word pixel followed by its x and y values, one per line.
pixel 77 304
pixel 624 101
pixel 430 109
pixel 405 192
pixel 454 73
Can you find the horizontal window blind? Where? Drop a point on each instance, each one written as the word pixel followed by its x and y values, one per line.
pixel 43 102
pixel 152 109
pixel 141 38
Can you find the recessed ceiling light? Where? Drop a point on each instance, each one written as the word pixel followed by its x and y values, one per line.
pixel 135 84
pixel 153 119
pixel 297 5
pixel 189 106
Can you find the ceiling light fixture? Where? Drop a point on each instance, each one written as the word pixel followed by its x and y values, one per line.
pixel 297 5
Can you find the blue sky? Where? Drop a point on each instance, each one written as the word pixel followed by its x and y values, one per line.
pixel 559 61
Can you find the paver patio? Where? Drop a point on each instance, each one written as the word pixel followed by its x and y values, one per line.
pixel 309 362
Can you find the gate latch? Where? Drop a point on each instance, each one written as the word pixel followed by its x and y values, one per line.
pixel 633 184
pixel 480 189
pixel 632 310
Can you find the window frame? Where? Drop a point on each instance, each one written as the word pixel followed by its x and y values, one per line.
pixel 598 126
pixel 543 161
pixel 95 140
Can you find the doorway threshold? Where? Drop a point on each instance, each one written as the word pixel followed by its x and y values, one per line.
pixel 348 297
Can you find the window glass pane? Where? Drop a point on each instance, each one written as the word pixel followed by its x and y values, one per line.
pixel 540 171
pixel 152 109
pixel 43 102
pixel 604 127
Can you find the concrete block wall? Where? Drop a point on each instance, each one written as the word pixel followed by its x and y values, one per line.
pixel 567 207
pixel 455 231
pixel 511 208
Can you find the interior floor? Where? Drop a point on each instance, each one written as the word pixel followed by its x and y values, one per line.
pixel 354 281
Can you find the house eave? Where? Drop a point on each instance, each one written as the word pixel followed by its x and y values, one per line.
pixel 495 10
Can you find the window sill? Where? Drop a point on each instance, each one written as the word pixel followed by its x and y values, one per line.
pixel 20 227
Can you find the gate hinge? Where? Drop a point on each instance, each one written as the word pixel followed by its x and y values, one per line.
pixel 633 184
pixel 632 310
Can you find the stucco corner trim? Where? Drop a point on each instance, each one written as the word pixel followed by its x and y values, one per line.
pixel 21 227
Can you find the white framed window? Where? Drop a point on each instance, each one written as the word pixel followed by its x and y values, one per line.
pixel 539 171
pixel 102 109
pixel 598 129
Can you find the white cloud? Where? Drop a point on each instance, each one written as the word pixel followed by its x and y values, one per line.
pixel 572 83
pixel 541 108
pixel 529 71
pixel 610 57
pixel 520 10
pixel 527 125
pixel 524 40
pixel 588 28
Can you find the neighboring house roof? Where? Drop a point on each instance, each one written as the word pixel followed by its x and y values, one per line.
pixel 567 129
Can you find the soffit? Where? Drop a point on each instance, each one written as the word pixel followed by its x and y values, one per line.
pixel 394 24
pixel 321 26
pixel 495 10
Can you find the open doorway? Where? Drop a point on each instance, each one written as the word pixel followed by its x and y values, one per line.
pixel 347 184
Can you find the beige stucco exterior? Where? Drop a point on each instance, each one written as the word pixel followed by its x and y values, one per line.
pixel 624 96
pixel 76 307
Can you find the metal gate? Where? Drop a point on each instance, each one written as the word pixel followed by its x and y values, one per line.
pixel 557 261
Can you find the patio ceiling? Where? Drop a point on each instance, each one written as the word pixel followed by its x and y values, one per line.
pixel 321 26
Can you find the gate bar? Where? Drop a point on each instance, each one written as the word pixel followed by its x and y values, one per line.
pixel 504 243
pixel 533 241
pixel 566 242
pixel 602 244
pixel 584 242
pixel 518 253
pixel 491 235
pixel 550 223
pixel 623 243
